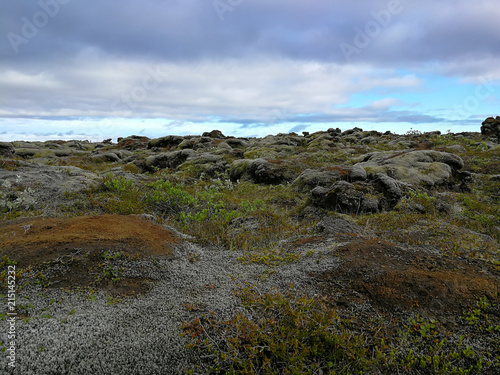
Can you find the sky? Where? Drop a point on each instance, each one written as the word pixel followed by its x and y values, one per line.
pixel 98 69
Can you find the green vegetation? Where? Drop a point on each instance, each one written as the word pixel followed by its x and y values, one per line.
pixel 117 184
pixel 5 261
pixel 165 198
pixel 422 198
pixel 298 334
pixel 205 208
pixel 107 270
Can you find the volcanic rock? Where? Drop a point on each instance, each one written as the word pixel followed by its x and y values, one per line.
pixel 6 149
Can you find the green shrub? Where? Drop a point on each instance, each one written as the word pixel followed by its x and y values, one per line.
pixel 420 197
pixel 288 335
pixel 117 184
pixel 166 197
pixel 297 334
pixel 115 195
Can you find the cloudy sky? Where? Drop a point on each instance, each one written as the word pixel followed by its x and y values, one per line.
pixel 96 69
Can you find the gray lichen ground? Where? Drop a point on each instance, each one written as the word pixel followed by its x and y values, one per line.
pixel 73 332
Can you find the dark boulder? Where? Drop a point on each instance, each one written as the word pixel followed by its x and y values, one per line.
pixel 266 172
pixel 260 171
pixel 168 141
pixel 237 142
pixel 491 127
pixel 214 134
pixel 380 192
pixel 166 160
pixel 352 131
pixel 106 157
pixel 311 178
pixel 342 197
pixel 6 149
pixel 389 187
pixel 133 143
pixel 334 132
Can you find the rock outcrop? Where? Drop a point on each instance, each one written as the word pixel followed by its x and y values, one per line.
pixel 168 141
pixel 311 178
pixel 6 149
pixel 427 168
pixel 260 171
pixel 491 127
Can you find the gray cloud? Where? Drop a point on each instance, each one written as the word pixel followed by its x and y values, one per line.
pixel 298 29
pixel 262 63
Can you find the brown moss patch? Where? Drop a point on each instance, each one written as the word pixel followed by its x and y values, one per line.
pixel 306 241
pixel 394 278
pixel 426 146
pixel 133 144
pixel 32 241
pixel 9 164
pixel 343 172
pixel 72 249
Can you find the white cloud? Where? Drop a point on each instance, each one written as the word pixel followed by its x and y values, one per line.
pixel 384 104
pixel 251 89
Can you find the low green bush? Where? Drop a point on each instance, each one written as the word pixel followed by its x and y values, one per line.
pixel 297 334
pixel 117 184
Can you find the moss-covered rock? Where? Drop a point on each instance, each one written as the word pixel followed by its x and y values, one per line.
pixel 168 141
pixel 420 168
pixel 261 171
pixel 341 197
pixel 6 149
pixel 167 159
pixel 491 127
pixel 311 178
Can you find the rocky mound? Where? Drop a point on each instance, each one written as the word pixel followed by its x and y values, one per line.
pixel 491 127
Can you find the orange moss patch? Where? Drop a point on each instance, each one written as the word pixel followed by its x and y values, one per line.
pixel 71 251
pixel 9 164
pixel 37 240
